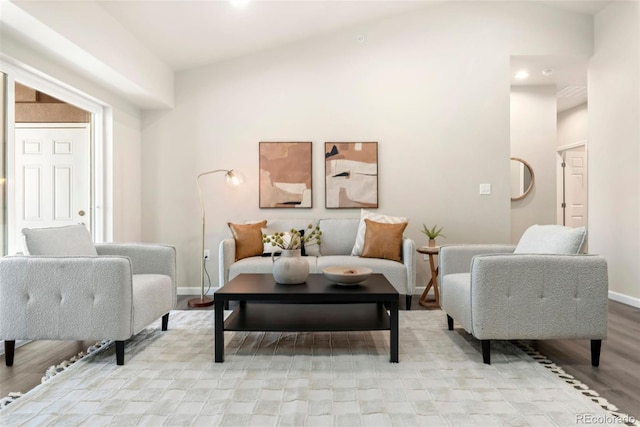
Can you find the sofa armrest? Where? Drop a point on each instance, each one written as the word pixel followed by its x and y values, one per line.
pixel 226 257
pixel 455 259
pixel 539 296
pixel 66 298
pixel 145 258
pixel 409 260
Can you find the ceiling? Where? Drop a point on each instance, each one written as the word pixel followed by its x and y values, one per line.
pixel 186 34
pixel 567 73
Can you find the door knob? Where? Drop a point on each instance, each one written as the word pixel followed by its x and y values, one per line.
pixel 81 212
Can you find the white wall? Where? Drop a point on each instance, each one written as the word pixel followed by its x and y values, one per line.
pixel 614 146
pixel 573 125
pixel 124 193
pixel 432 88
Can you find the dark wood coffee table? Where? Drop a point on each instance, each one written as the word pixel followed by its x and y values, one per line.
pixel 319 305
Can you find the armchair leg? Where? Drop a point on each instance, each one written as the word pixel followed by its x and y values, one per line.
pixel 120 352
pixel 450 322
pixel 165 322
pixel 408 302
pixel 595 352
pixel 9 351
pixel 486 351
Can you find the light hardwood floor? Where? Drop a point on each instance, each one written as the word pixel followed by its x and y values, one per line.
pixel 617 379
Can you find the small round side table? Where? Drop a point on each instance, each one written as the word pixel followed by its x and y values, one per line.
pixel 431 251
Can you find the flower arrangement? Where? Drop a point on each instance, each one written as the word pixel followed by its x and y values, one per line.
pixel 292 239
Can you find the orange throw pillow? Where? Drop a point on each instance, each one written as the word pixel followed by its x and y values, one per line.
pixel 248 239
pixel 383 240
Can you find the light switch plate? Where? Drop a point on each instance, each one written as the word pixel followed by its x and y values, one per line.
pixel 485 189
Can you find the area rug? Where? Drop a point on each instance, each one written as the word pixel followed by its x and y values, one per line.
pixel 269 379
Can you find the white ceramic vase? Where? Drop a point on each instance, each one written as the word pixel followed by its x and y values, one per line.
pixel 290 268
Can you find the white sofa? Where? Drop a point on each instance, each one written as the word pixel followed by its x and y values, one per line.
pixel 338 238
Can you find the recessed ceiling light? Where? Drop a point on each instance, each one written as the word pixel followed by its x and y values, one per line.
pixel 239 4
pixel 522 74
pixel 547 72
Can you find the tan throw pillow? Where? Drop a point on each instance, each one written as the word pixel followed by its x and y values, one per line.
pixel 248 239
pixel 374 216
pixel 383 240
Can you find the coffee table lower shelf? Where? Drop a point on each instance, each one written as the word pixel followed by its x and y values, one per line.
pixel 284 317
pixel 308 318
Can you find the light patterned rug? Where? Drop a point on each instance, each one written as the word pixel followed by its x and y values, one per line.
pixel 342 379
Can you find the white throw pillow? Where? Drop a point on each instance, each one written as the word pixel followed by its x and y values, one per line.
pixel 551 239
pixel 362 227
pixel 71 240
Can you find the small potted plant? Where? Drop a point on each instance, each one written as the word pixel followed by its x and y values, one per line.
pixel 432 233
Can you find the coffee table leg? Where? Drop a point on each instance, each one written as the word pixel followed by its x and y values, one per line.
pixel 218 335
pixel 393 332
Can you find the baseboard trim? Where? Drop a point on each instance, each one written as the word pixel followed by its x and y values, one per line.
pixel 625 299
pixel 192 290
pixel 615 296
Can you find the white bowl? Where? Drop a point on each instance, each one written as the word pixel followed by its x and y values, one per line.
pixel 347 276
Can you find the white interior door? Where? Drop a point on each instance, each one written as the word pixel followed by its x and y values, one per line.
pixel 52 177
pixel 575 186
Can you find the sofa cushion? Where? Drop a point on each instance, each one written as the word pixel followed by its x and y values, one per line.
pixel 383 240
pixel 338 235
pixel 365 214
pixel 152 294
pixel 551 239
pixel 248 238
pixel 263 265
pixel 455 298
pixel 395 272
pixel 71 240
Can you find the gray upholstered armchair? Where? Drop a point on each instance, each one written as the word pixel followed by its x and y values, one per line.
pixel 537 290
pixel 83 292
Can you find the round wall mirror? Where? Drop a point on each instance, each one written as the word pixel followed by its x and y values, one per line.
pixel 522 178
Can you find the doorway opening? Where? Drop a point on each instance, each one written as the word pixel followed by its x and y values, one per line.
pixel 55 169
pixel 572 185
pixel 52 163
pixel 548 124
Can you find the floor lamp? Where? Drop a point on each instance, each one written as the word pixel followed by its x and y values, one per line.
pixel 233 179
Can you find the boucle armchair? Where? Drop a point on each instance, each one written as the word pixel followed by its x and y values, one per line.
pixel 503 292
pixel 110 293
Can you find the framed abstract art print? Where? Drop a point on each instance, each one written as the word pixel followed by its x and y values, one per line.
pixel 285 175
pixel 351 175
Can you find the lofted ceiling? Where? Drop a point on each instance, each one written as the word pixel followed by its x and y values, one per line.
pixel 187 34
pixel 184 34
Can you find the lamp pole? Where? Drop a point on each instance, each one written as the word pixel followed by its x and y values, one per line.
pixel 205 301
